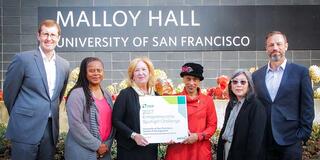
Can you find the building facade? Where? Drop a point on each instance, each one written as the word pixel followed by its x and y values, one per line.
pixel 19 22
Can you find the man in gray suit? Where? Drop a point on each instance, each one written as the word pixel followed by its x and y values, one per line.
pixel 33 89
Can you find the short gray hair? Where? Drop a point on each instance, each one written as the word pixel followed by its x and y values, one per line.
pixel 250 93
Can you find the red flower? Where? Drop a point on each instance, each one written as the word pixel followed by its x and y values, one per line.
pixel 220 91
pixel 186 69
pixel 114 97
pixel 1 95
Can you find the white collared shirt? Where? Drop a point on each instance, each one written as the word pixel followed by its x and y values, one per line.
pixel 50 67
pixel 273 79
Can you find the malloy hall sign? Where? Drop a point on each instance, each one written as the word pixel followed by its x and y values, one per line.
pixel 182 28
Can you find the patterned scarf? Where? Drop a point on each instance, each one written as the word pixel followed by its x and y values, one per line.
pixel 94 124
pixel 141 93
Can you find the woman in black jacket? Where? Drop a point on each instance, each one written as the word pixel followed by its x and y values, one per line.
pixel 242 134
pixel 130 144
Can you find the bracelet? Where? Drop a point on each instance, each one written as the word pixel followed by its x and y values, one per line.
pixel 133 134
pixel 203 135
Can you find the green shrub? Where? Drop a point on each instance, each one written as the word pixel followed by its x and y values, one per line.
pixel 162 151
pixel 114 150
pixel 4 143
pixel 311 150
pixel 60 147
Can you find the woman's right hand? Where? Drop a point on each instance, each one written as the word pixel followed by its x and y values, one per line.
pixel 171 142
pixel 103 149
pixel 140 140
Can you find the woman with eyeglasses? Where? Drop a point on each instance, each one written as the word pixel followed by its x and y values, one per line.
pixel 242 134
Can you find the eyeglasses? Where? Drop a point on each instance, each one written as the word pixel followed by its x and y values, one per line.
pixel 242 82
pixel 47 35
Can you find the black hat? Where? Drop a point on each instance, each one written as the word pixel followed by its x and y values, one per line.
pixel 192 69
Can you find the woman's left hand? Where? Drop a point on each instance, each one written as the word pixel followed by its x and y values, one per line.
pixel 103 149
pixel 140 140
pixel 193 137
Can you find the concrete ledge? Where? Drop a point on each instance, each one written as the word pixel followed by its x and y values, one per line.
pixel 219 104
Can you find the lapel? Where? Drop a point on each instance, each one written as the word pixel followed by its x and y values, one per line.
pixel 242 110
pixel 262 83
pixel 226 116
pixel 40 65
pixel 59 77
pixel 228 111
pixel 283 81
pixel 108 98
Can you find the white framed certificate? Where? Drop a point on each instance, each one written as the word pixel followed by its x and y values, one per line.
pixel 163 118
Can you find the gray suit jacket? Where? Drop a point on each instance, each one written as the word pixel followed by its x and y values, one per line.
pixel 26 96
pixel 80 144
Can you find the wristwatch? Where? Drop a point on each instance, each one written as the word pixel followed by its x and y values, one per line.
pixel 133 134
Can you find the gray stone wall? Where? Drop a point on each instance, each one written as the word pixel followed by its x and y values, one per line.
pixel 19 22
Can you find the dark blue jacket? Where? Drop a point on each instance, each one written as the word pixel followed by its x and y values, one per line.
pixel 292 112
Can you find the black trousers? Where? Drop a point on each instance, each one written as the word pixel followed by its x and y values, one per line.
pixel 282 152
pixel 289 152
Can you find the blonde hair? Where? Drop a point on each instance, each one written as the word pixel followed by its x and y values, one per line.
pixel 132 67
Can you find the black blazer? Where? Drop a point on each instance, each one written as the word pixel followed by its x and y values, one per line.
pixel 248 135
pixel 125 118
